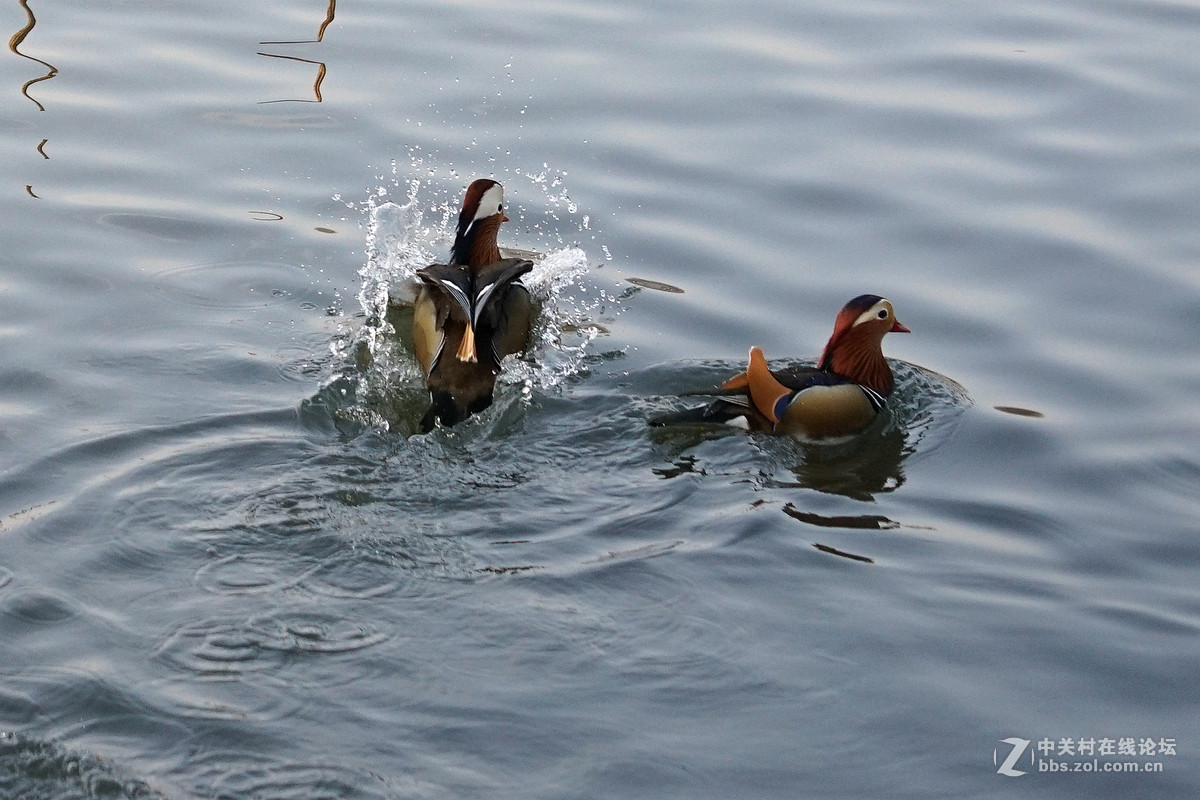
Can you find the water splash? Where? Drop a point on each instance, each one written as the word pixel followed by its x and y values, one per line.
pixel 378 383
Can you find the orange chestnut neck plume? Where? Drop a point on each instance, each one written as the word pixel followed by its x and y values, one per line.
pixel 860 359
pixel 482 247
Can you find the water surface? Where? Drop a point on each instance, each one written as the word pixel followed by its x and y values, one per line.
pixel 228 571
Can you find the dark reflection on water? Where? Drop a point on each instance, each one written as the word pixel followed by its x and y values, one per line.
pixel 658 286
pixel 872 467
pixel 316 87
pixel 835 552
pixel 14 43
pixel 1020 412
pixel 862 521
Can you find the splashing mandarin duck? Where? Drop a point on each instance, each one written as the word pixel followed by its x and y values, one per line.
pixel 836 399
pixel 470 313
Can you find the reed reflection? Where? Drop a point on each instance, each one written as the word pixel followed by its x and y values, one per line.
pixel 14 44
pixel 316 88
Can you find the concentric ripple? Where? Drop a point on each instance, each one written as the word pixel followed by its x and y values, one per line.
pixel 234 774
pixel 230 648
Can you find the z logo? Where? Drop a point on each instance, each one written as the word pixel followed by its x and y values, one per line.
pixel 1018 747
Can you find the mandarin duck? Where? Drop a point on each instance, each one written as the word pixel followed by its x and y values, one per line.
pixel 470 313
pixel 836 399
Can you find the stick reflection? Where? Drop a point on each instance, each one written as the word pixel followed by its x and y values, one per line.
pixel 329 14
pixel 13 45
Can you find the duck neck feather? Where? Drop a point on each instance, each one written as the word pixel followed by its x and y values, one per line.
pixel 477 247
pixel 859 358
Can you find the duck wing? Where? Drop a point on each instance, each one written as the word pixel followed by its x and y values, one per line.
pixel 504 308
pixel 453 282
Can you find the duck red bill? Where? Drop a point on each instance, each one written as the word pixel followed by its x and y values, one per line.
pixel 898 328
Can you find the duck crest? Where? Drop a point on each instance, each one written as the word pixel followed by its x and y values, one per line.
pixel 471 200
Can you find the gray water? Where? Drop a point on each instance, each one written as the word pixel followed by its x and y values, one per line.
pixel 228 570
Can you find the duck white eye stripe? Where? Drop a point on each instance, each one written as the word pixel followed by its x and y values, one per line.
pixel 490 203
pixel 871 313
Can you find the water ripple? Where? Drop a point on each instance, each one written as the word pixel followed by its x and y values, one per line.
pixel 228 285
pixel 236 774
pixel 245 574
pixel 37 607
pixel 208 588
pixel 224 648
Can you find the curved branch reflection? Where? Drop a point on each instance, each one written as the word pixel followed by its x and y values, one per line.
pixel 316 83
pixel 329 15
pixel 15 42
pixel 320 31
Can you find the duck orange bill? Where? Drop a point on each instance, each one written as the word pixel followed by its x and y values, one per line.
pixel 765 389
pixel 466 348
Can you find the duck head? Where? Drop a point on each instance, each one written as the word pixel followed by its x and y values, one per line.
pixel 478 225
pixel 855 350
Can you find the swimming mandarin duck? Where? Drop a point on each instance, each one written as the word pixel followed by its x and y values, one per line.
pixel 836 399
pixel 470 313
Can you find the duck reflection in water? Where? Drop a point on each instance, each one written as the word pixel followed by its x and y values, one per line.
pixel 870 465
pixel 873 466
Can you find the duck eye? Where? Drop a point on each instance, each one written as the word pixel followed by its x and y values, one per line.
pixel 883 313
pixel 500 207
